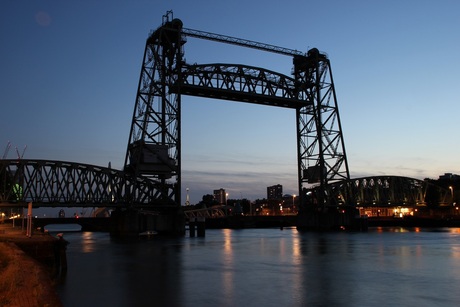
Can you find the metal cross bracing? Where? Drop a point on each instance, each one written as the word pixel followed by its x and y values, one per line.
pixel 152 170
pixel 388 191
pixel 322 157
pixel 66 184
pixel 212 212
pixel 154 146
pixel 56 183
pixel 154 141
pixel 240 83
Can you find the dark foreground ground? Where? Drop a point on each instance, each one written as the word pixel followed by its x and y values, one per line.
pixel 24 281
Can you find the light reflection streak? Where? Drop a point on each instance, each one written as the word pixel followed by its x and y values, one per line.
pixel 88 242
pixel 228 265
pixel 297 264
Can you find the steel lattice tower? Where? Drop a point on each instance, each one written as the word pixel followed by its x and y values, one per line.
pixel 321 150
pixel 154 142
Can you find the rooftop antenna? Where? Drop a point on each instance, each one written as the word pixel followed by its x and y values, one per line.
pixel 7 149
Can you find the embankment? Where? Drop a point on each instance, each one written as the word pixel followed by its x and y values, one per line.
pixel 27 269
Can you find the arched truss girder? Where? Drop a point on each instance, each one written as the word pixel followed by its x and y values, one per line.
pixel 239 82
pixel 387 191
pixel 58 183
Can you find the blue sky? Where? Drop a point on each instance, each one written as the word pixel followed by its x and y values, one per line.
pixel 69 72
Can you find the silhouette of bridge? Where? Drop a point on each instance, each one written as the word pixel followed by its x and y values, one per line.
pixel 151 177
pixel 65 184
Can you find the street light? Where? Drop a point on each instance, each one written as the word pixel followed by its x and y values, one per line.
pixel 293 202
pixel 451 188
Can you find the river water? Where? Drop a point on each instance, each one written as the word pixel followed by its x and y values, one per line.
pixel 266 267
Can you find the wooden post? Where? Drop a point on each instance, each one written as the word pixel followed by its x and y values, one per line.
pixel 191 226
pixel 29 220
pixel 201 226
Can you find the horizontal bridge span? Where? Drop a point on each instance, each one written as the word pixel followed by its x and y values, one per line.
pixel 388 191
pixel 239 83
pixel 60 184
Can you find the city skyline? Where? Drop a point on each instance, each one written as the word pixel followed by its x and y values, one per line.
pixel 70 73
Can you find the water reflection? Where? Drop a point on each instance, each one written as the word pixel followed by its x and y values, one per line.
pixel 228 265
pixel 88 243
pixel 266 267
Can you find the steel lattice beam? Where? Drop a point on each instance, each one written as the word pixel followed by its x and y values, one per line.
pixel 240 42
pixel 58 183
pixel 386 191
pixel 239 83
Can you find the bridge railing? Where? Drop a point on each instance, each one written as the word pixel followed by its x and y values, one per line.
pixel 212 212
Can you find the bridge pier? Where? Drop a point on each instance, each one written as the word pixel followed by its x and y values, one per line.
pixel 198 225
pixel 331 219
pixel 132 222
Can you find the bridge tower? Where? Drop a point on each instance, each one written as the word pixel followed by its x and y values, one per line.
pixel 154 140
pixel 321 149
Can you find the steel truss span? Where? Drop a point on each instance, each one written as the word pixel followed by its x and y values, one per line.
pixel 154 145
pixel 56 183
pixel 387 191
pixel 239 83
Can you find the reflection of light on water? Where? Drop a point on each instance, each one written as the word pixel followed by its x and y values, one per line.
pixel 296 256
pixel 454 230
pixel 88 242
pixel 228 264
pixel 455 249
pixel 228 244
pixel 455 252
pixel 297 263
pixel 62 227
pixel 400 229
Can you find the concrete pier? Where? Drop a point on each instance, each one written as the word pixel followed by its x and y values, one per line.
pixel 331 219
pixel 197 226
pixel 130 222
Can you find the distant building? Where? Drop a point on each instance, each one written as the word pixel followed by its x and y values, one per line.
pixel 449 176
pixel 220 196
pixel 275 192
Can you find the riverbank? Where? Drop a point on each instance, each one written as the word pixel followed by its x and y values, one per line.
pixel 26 278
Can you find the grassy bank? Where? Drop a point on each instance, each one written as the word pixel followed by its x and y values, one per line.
pixel 23 280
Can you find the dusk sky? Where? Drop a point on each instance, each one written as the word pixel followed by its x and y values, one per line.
pixel 69 73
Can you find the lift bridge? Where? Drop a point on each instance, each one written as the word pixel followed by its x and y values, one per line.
pixel 151 178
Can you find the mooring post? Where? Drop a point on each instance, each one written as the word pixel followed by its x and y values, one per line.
pixel 29 220
pixel 201 226
pixel 191 226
